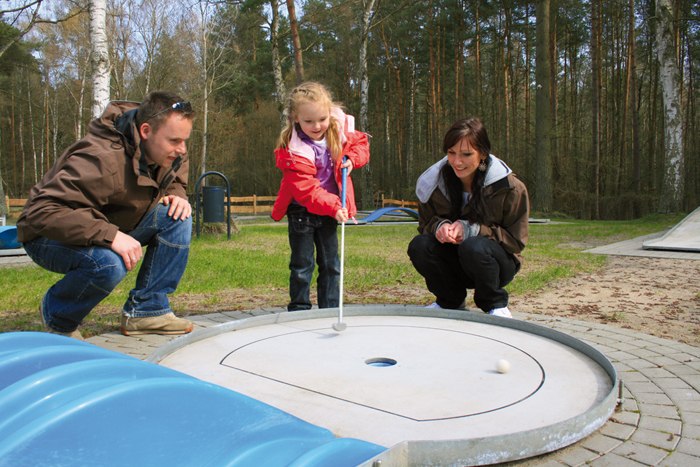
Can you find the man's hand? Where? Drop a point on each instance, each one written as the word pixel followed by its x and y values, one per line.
pixel 128 248
pixel 180 208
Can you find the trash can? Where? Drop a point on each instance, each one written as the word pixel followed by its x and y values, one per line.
pixel 213 204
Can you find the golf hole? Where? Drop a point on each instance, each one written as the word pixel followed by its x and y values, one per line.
pixel 380 362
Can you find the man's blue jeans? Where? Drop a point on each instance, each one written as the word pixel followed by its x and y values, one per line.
pixel 307 231
pixel 91 273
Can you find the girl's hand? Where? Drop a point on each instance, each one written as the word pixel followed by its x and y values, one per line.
pixel 342 215
pixel 348 164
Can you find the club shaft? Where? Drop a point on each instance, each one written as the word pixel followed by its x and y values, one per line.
pixel 344 173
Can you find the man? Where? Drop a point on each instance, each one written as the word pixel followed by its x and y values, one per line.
pixel 119 188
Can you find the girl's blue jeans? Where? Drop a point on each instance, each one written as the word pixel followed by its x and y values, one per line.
pixel 308 232
pixel 91 273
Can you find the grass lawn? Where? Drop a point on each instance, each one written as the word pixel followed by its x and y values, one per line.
pixel 250 270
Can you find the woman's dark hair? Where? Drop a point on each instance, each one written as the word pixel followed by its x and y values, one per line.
pixel 475 133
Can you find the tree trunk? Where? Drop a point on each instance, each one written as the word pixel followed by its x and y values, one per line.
pixel 13 141
pixel 100 56
pixel 411 126
pixel 526 85
pixel 669 77
pixel 477 54
pixel 296 41
pixel 554 161
pixel 595 101
pixel 206 80
pixel 277 60
pixel 632 65
pixel 368 6
pixel 542 199
pixel 3 206
pixel 31 131
pixel 367 185
pixel 506 70
pixel 81 103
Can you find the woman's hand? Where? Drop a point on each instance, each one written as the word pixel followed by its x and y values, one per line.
pixel 449 232
pixel 457 232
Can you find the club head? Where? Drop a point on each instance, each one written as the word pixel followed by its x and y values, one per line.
pixel 339 326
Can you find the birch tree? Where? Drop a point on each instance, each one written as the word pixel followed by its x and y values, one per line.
pixel 669 77
pixel 280 89
pixel 99 56
pixel 367 13
pixel 207 76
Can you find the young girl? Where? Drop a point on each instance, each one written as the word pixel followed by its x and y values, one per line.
pixel 317 142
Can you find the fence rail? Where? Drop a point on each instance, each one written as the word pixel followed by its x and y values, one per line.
pixel 242 204
pixel 251 204
pixel 402 203
pixel 16 203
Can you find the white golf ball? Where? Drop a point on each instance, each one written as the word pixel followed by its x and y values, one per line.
pixel 503 366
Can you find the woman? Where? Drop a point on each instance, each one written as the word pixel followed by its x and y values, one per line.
pixel 473 222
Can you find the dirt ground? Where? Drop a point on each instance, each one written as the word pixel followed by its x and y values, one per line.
pixel 660 297
pixel 655 296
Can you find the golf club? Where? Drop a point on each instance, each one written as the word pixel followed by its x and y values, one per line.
pixel 340 326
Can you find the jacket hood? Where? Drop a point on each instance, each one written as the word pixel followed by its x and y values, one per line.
pixel 431 179
pixel 117 121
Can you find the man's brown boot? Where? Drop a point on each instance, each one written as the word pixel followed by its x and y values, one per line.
pixel 167 324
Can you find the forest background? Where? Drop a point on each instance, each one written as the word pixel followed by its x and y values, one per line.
pixel 592 103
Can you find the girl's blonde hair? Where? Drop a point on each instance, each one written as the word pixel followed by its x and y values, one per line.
pixel 318 94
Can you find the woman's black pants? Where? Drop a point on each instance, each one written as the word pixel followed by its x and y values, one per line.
pixel 477 263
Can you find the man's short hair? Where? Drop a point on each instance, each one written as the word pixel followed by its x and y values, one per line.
pixel 158 105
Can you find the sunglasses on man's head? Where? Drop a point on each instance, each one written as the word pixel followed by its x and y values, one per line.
pixel 185 107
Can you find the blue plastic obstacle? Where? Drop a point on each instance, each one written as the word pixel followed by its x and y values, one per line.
pixel 69 403
pixel 8 237
pixel 389 210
